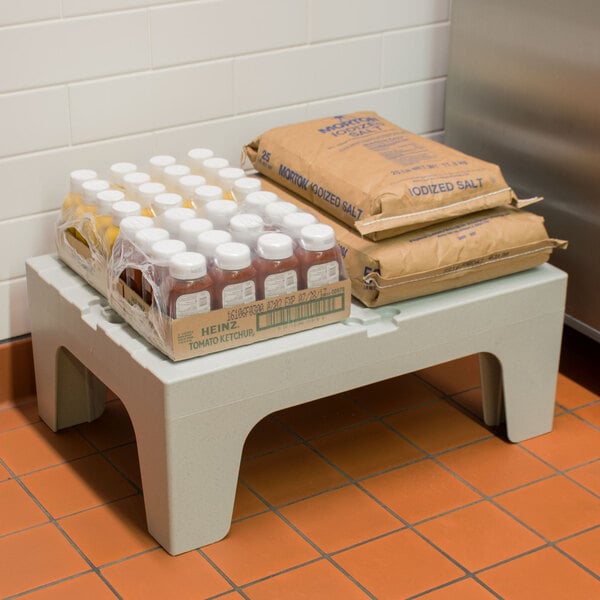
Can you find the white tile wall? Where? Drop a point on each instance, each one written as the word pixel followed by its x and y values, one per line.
pixel 47 53
pixel 84 83
pixel 418 107
pixel 73 8
pixel 227 136
pixel 37 182
pixel 415 54
pixel 345 18
pixel 20 238
pixel 22 11
pixel 14 317
pixel 152 100
pixel 34 120
pixel 292 76
pixel 197 31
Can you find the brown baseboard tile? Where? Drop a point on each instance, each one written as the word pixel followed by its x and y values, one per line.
pixel 17 376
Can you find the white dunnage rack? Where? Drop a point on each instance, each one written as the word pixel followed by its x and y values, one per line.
pixel 191 418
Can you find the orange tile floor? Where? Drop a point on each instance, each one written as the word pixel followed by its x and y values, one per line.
pixel 393 491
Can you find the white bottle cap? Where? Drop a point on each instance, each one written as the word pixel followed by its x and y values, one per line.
pixel 275 246
pixel 145 238
pixel 220 212
pixel 190 229
pixel 244 186
pixel 132 182
pixel 211 167
pixel 256 201
pixel 125 208
pixel 196 156
pixel 148 191
pixel 131 225
pixel 106 198
pixel 187 265
pixel 246 228
pixel 166 200
pixel 317 237
pixel 208 241
pixel 173 217
pixel 77 178
pixel 118 170
pixel 275 211
pixel 161 252
pixel 91 187
pixel 173 173
pixel 293 223
pixel 158 164
pixel 233 256
pixel 228 175
pixel 207 193
pixel 188 183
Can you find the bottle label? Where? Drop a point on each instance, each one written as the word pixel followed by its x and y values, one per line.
pixel 278 284
pixel 323 274
pixel 239 293
pixel 192 304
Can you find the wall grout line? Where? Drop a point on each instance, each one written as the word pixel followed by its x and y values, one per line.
pixel 211 120
pixel 157 68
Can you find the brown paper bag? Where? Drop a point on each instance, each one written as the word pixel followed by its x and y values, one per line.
pixel 440 257
pixel 376 177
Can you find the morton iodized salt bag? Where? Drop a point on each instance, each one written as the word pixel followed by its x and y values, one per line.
pixel 442 256
pixel 375 176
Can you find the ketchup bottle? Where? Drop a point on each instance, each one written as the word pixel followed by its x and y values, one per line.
pixel 235 275
pixel 189 288
pixel 276 265
pixel 319 256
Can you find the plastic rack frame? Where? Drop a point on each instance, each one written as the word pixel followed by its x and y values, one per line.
pixel 191 418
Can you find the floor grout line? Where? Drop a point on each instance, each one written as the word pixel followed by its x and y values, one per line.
pixel 432 457
pixel 351 481
pixel 446 585
pixel 55 583
pixel 406 524
pixel 314 545
pixel 65 535
pixel 221 572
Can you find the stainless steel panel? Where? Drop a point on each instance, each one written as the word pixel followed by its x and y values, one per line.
pixel 523 91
